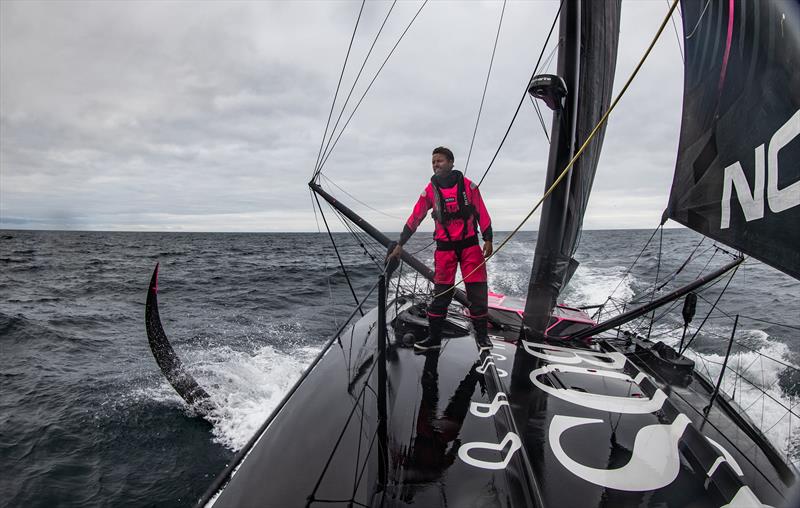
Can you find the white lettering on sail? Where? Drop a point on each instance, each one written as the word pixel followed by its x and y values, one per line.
pixel 752 201
pixel 752 204
pixel 788 197
pixel 654 463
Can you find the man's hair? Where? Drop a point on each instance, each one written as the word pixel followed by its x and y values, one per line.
pixel 444 151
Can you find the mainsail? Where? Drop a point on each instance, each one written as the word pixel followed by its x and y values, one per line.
pixel 737 178
pixel 586 61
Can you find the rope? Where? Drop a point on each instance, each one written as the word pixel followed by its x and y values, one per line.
pixel 347 56
pixel 580 150
pixel 485 86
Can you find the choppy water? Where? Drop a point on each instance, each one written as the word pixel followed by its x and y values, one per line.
pixel 86 419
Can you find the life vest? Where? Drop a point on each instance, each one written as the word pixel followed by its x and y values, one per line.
pixel 443 214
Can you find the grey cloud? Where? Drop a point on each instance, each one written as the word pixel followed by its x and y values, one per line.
pixel 208 116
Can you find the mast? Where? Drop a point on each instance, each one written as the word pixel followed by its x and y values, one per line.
pixel 589 33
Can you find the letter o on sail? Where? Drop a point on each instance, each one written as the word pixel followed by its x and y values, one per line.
pixel 511 438
pixel 655 461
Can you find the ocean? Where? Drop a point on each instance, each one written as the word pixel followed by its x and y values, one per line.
pixel 87 419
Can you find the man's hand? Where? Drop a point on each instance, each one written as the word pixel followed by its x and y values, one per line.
pixel 395 253
pixel 487 249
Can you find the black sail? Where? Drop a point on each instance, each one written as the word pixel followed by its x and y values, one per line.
pixel 737 177
pixel 589 35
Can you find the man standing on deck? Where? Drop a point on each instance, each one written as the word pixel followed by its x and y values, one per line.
pixel 458 211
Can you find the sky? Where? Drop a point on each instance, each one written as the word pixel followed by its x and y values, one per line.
pixel 208 116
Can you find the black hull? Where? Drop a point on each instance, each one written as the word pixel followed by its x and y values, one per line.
pixel 452 440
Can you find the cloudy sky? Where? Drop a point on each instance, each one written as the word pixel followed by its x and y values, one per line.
pixel 208 116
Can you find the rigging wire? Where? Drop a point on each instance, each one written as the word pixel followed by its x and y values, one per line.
pixel 336 249
pixel 702 14
pixel 355 81
pixel 359 239
pixel 580 151
pixel 758 388
pixel 324 258
pixel 359 201
pixel 550 57
pixel 658 271
pixel 485 86
pixel 672 276
pixel 356 405
pixel 524 93
pixel 541 119
pixel 335 95
pixel 710 311
pixel 758 352
pixel 677 37
pixel 325 159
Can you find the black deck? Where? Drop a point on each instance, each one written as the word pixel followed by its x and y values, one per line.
pixel 446 445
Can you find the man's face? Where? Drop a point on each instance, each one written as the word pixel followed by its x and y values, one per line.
pixel 441 166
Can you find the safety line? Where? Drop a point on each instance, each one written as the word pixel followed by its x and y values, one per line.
pixel 580 150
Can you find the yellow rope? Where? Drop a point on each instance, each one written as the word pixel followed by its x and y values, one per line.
pixel 580 151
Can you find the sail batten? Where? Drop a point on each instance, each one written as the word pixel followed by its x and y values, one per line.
pixel 737 176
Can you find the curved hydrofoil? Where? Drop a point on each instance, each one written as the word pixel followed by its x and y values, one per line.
pixel 171 366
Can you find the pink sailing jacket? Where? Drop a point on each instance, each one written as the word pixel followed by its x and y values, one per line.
pixel 451 225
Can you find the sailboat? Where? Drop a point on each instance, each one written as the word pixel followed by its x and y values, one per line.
pixel 556 413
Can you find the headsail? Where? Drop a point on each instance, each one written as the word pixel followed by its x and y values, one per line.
pixel 737 178
pixel 587 60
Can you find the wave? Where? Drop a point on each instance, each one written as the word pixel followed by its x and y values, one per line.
pixel 758 379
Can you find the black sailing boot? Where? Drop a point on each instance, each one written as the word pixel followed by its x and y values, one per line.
pixel 481 335
pixel 434 341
